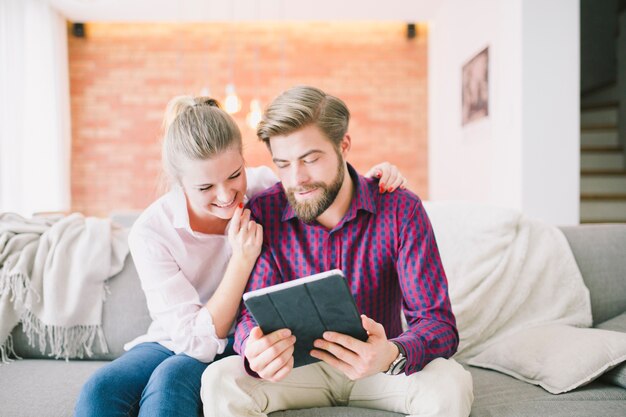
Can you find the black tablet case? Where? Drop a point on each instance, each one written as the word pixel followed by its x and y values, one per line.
pixel 308 309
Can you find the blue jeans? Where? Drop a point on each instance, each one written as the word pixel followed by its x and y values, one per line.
pixel 148 380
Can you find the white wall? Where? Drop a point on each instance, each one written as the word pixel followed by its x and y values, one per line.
pixel 551 110
pixel 244 10
pixel 525 154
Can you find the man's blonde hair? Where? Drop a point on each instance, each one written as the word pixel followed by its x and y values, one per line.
pixel 301 106
pixel 195 128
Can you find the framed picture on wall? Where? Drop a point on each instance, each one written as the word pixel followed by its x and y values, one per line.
pixel 475 82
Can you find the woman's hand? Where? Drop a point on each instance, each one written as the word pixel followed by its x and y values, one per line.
pixel 245 236
pixel 389 177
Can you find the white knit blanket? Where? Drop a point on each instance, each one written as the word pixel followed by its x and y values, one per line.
pixel 52 280
pixel 505 272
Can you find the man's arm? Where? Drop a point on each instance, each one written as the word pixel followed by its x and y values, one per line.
pixel 432 329
pixel 264 274
pixel 267 356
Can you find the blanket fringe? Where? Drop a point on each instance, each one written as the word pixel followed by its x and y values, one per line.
pixel 63 342
pixel 7 354
pixel 18 284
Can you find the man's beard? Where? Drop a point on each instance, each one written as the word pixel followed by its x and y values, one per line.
pixel 309 210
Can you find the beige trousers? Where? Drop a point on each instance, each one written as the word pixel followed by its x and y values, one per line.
pixel 442 388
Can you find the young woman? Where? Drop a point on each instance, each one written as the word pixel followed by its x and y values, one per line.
pixel 194 249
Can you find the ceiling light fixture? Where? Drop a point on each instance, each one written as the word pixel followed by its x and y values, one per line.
pixel 232 103
pixel 254 117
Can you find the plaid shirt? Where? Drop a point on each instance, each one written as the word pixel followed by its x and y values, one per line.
pixel 386 248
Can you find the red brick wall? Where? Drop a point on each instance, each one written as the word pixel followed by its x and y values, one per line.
pixel 122 75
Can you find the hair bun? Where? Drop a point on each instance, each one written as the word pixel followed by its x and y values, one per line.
pixel 207 101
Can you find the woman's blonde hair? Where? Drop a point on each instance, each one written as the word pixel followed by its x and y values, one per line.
pixel 195 128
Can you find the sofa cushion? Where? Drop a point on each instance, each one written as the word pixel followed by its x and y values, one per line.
pixel 599 252
pixel 35 387
pixel 125 312
pixel 558 358
pixel 50 388
pixel 334 412
pixel 496 394
pixel 616 376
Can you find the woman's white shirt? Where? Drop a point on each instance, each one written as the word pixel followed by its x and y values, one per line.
pixel 180 270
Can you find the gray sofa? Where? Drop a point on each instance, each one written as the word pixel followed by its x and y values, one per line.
pixel 39 386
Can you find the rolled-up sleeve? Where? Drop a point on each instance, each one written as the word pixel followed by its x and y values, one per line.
pixel 173 302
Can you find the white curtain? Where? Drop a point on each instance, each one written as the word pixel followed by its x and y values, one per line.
pixel 34 108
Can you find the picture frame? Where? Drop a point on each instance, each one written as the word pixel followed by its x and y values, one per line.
pixel 475 88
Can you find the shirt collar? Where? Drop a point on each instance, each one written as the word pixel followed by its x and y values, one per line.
pixel 180 218
pixel 363 199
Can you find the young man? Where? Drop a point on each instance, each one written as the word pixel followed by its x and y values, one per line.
pixel 325 216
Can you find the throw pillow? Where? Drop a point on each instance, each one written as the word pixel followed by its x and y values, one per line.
pixel 558 358
pixel 617 375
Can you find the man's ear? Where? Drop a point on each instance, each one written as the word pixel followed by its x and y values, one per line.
pixel 345 145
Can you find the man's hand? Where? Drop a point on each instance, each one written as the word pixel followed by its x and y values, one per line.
pixel 354 358
pixel 270 356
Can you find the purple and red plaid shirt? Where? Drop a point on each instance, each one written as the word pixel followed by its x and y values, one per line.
pixel 386 248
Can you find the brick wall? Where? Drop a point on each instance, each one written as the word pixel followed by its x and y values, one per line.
pixel 122 75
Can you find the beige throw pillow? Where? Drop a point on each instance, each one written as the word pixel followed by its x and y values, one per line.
pixel 558 358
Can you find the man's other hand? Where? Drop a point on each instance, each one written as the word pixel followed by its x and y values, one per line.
pixel 357 359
